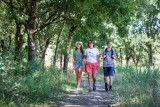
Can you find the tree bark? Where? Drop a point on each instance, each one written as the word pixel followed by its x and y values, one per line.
pixel 150 56
pixel 3 45
pixel 120 52
pixel 43 49
pixel 18 40
pixel 4 49
pixel 57 45
pixel 31 46
pixel 10 41
pixel 31 7
pixel 66 57
pixel 61 59
pixel 127 54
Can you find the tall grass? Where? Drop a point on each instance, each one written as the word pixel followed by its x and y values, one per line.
pixel 25 85
pixel 136 87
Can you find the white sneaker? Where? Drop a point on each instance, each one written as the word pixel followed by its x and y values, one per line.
pixel 78 88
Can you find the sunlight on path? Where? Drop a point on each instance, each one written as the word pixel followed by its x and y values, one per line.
pixel 98 98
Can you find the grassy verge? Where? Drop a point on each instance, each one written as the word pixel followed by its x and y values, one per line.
pixel 136 87
pixel 33 86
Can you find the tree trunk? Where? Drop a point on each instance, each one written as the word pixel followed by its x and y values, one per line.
pixel 4 49
pixel 57 45
pixel 66 57
pixel 133 55
pixel 136 57
pixel 120 55
pixel 127 54
pixel 150 56
pixel 61 59
pixel 31 46
pixel 43 49
pixel 10 41
pixel 30 30
pixel 18 40
pixel 3 45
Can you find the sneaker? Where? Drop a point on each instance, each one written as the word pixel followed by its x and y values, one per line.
pixel 78 88
pixel 106 88
pixel 90 90
pixel 110 88
pixel 94 88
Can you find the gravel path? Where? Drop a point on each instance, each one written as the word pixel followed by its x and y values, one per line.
pixel 98 98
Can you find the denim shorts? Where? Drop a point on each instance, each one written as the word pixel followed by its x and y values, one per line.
pixel 78 64
pixel 108 71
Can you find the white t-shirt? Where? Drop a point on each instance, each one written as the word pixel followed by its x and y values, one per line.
pixel 91 55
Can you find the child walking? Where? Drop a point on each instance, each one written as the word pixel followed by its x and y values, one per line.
pixel 108 56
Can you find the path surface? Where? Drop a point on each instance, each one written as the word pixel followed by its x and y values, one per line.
pixel 98 98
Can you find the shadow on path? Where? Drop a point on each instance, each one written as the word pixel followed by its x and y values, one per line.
pixel 98 98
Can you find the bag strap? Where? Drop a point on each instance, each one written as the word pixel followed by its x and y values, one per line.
pixel 111 52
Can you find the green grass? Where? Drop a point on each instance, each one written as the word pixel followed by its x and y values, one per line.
pixel 33 85
pixel 136 87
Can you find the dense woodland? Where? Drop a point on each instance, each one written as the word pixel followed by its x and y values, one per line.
pixel 28 28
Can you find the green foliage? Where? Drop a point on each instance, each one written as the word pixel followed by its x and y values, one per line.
pixel 128 23
pixel 134 87
pixel 32 85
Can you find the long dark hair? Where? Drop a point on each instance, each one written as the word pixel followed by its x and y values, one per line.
pixel 81 49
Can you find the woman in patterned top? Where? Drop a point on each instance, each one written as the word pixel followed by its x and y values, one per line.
pixel 91 55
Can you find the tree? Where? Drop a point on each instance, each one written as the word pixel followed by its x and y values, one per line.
pixel 33 22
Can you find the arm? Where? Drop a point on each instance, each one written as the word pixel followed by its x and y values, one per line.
pixel 114 55
pixel 98 61
pixel 73 60
pixel 84 59
pixel 103 55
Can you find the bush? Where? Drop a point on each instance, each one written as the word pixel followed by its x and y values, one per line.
pixel 137 87
pixel 31 84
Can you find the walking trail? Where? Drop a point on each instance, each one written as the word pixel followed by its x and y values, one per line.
pixel 98 98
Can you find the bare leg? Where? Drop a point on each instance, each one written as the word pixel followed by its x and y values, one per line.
pixel 79 77
pixel 94 78
pixel 89 79
pixel 76 71
pixel 110 80
pixel 105 79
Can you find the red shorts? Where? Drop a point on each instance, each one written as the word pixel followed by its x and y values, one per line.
pixel 91 67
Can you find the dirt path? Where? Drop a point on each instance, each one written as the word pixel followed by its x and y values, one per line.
pixel 98 98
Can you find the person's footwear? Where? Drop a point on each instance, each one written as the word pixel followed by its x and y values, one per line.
pixel 78 88
pixel 106 86
pixel 90 90
pixel 110 88
pixel 94 88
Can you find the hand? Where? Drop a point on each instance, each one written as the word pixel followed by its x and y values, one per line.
pixel 97 67
pixel 83 67
pixel 104 57
pixel 113 56
pixel 73 68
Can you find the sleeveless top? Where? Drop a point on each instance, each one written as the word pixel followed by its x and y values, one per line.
pixel 78 56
